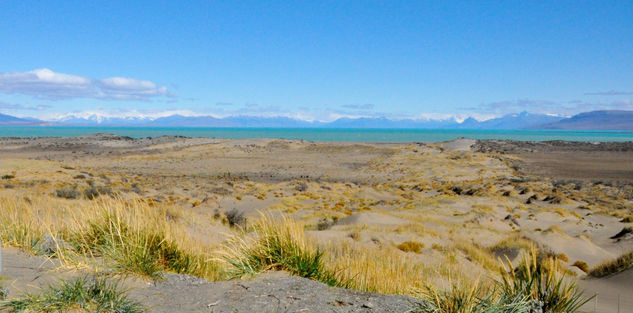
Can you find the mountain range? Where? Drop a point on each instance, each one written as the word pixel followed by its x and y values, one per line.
pixel 595 120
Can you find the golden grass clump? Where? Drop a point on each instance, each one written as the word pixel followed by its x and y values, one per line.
pixel 411 246
pixel 274 244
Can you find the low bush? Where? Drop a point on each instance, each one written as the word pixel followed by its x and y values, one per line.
pixel 68 193
pixel 235 218
pixel 93 192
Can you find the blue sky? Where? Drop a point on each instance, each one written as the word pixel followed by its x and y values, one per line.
pixel 315 59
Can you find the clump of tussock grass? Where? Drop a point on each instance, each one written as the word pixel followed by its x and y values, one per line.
pixel 582 265
pixel 135 248
pixel 473 298
pixel 620 264
pixel 542 281
pixel 275 245
pixel 411 246
pixel 96 295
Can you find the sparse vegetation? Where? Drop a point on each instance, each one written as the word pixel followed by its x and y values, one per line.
pixel 96 295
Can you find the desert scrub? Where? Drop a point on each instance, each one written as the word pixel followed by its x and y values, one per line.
pixel 80 295
pixel 275 245
pixel 411 246
pixel 620 264
pixel 70 192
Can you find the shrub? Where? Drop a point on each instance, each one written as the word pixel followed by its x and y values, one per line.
pixel 89 295
pixel 628 219
pixel 582 265
pixel 235 218
pixel 8 176
pixel 93 192
pixel 67 193
pixel 411 246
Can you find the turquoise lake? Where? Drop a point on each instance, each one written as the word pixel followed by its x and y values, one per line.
pixel 323 134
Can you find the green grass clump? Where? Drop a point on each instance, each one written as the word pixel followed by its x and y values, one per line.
pixel 471 299
pixel 542 281
pixel 80 295
pixel 135 249
pixel 276 245
pixel 620 264
pixel 411 246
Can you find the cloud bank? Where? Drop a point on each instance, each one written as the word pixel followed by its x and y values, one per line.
pixel 46 84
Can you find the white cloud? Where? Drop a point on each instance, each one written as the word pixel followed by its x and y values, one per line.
pixel 46 84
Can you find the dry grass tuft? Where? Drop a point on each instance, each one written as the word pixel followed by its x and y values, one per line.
pixel 411 246
pixel 620 264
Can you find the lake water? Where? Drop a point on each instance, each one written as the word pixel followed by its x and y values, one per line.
pixel 323 134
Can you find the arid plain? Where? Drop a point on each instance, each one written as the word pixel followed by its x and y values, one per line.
pixel 388 218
